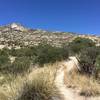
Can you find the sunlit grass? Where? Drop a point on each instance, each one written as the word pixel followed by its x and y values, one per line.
pixel 86 86
pixel 37 85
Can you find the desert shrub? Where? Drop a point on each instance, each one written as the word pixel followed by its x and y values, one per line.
pixel 19 66
pixel 41 87
pixel 4 52
pixel 23 52
pixel 13 52
pixel 41 92
pixel 80 43
pixel 31 51
pixel 17 52
pixel 88 58
pixel 86 86
pixel 4 61
pixel 48 54
pixel 97 64
pixel 41 54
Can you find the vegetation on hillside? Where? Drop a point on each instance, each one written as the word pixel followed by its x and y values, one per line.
pixel 80 43
pixel 40 84
pixel 85 49
pixel 87 54
pixel 26 57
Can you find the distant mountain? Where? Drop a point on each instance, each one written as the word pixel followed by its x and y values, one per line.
pixel 17 35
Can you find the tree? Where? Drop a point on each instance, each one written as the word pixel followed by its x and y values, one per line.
pixel 88 58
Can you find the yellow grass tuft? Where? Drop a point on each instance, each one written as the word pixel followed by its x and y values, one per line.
pixel 86 86
pixel 36 85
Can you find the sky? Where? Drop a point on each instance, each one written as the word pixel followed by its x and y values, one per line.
pixel 80 16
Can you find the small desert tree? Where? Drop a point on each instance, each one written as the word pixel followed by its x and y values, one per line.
pixel 88 59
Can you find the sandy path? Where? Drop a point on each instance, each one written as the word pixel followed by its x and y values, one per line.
pixel 67 93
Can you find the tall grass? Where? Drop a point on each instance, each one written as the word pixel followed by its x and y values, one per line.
pixel 11 89
pixel 37 85
pixel 84 85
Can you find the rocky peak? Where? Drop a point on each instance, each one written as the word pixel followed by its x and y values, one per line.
pixel 17 26
pixel 14 25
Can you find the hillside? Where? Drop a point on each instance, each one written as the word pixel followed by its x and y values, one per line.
pixel 17 35
pixel 36 66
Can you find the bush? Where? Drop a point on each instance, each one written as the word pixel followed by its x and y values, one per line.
pixel 18 52
pixel 4 61
pixel 13 52
pixel 48 54
pixel 19 66
pixel 23 52
pixel 37 91
pixel 4 52
pixel 88 58
pixel 97 64
pixel 41 54
pixel 80 43
pixel 41 87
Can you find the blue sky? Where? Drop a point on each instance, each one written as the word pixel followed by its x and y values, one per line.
pixel 82 16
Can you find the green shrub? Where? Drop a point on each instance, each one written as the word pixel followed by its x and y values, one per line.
pixel 13 52
pixel 88 58
pixel 41 54
pixel 98 63
pixel 80 43
pixel 18 52
pixel 4 61
pixel 48 54
pixel 19 66
pixel 4 52
pixel 23 52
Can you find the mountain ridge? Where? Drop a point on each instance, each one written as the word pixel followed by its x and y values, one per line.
pixel 15 34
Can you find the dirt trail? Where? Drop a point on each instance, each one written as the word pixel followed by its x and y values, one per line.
pixel 67 93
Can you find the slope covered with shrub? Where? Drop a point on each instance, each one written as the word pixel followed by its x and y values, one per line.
pixel 87 53
pixel 26 57
pixel 40 84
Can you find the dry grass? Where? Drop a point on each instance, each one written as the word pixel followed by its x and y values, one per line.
pixel 86 86
pixel 10 90
pixel 37 85
pixel 41 84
